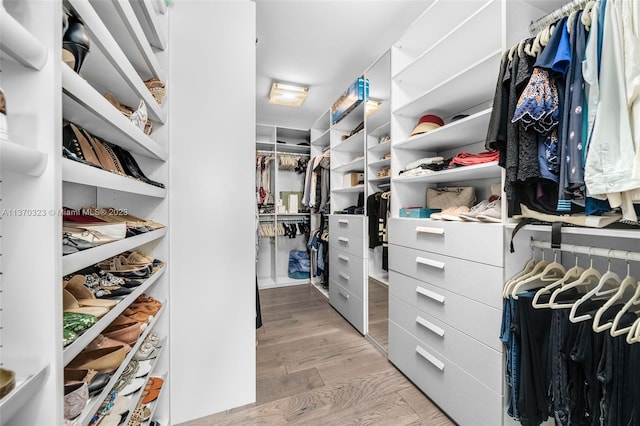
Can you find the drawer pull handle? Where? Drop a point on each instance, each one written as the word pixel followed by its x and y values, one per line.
pixel 430 294
pixel 430 326
pixel 345 295
pixel 430 262
pixel 343 257
pixel 343 222
pixel 343 240
pixel 344 276
pixel 432 359
pixel 429 230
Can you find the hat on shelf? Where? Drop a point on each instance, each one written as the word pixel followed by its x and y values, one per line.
pixel 427 123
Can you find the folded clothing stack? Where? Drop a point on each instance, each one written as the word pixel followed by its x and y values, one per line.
pixel 424 166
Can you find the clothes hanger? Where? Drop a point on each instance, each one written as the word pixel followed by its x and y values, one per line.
pixel 571 274
pixel 633 336
pixel 588 278
pixel 511 51
pixel 625 293
pixel 587 14
pixel 631 305
pixel 551 272
pixel 529 268
pixel 607 285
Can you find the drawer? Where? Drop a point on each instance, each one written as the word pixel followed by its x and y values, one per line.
pixel 354 245
pixel 462 397
pixel 344 224
pixel 347 270
pixel 477 359
pixel 350 306
pixel 478 320
pixel 480 242
pixel 474 280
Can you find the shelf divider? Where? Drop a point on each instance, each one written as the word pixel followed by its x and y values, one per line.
pixel 18 44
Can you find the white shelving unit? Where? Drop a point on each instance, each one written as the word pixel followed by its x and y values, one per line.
pixel 273 252
pixel 18 44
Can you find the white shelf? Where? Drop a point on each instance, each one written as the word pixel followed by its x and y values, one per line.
pixel 83 105
pixel 607 232
pixel 318 287
pixel 283 148
pixel 72 350
pixel 149 20
pixel 84 258
pixel 357 188
pixel 322 140
pixel 380 163
pixel 356 165
pixel 18 44
pixel 353 144
pixel 27 385
pixel 352 119
pixel 471 86
pixel 459 133
pixel 266 146
pixel 125 28
pixel 480 171
pixel 380 148
pixel 380 130
pixel 20 159
pixel 73 171
pixel 106 54
pixel 380 180
pixel 94 403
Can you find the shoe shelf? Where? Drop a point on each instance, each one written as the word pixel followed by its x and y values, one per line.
pixel 21 159
pixel 72 350
pixel 356 165
pixel 354 189
pixel 106 54
pixel 73 171
pixel 83 105
pixel 136 396
pixel 352 144
pixel 480 171
pixel 84 258
pixel 379 180
pixel 381 130
pixel 458 133
pixel 469 87
pixel 27 385
pixel 94 403
pixel 149 20
pixel 379 163
pixel 18 44
pixel 322 140
pixel 127 31
pixel 380 148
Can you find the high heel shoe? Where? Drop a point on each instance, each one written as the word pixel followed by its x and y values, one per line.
pixel 131 167
pixel 75 44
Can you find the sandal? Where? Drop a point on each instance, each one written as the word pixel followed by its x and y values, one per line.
pixel 70 304
pixel 116 266
pixel 84 296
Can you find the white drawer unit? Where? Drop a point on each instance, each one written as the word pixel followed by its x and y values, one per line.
pixel 465 399
pixel 475 319
pixel 476 358
pixel 348 304
pixel 473 280
pixel 347 224
pixel 348 271
pixel 479 242
pixel 351 244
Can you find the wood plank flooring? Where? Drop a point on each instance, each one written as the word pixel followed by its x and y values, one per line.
pixel 314 368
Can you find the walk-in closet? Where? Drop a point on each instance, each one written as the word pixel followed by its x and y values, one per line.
pixel 407 212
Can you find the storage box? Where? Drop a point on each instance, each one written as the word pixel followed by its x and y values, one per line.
pixel 417 212
pixel 352 97
pixel 353 179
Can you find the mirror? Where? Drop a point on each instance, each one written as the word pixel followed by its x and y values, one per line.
pixel 379 312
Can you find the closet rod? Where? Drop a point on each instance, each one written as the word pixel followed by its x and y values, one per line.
pixel 591 251
pixel 293 154
pixel 262 152
pixel 566 10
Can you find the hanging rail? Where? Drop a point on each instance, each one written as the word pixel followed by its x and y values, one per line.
pixel 566 10
pixel 263 152
pixel 591 251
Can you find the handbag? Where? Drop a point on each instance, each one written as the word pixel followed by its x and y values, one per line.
pixel 96 233
pixel 455 196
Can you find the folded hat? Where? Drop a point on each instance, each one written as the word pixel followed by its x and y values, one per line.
pixel 427 123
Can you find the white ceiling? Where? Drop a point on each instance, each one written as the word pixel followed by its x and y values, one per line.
pixel 324 45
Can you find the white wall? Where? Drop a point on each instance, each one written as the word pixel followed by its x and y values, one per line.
pixel 212 231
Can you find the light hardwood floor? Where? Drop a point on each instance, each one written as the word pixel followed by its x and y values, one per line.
pixel 314 368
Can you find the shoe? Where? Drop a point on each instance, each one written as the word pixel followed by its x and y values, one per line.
pixel 133 386
pixel 85 297
pixel 157 89
pixel 105 360
pixel 75 141
pixel 127 333
pixel 75 44
pixel 77 322
pixel 146 351
pixel 144 368
pixel 131 167
pixel 117 266
pixel 7 381
pixel 472 214
pixel 493 212
pixel 106 157
pixel 76 396
pixel 4 127
pixel 103 341
pixel 72 245
pixel 454 214
pixel 71 304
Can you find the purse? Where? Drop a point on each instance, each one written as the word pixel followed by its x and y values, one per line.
pixel 455 196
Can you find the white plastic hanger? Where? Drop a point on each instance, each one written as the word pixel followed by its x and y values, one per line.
pixel 528 267
pixel 631 305
pixel 625 292
pixel 589 278
pixel 571 275
pixel 633 336
pixel 607 286
pixel 537 268
pixel 552 272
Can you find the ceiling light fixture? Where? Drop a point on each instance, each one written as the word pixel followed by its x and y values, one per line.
pixel 372 106
pixel 287 94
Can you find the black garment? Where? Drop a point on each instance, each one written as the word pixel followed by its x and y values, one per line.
pixel 258 311
pixel 497 131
